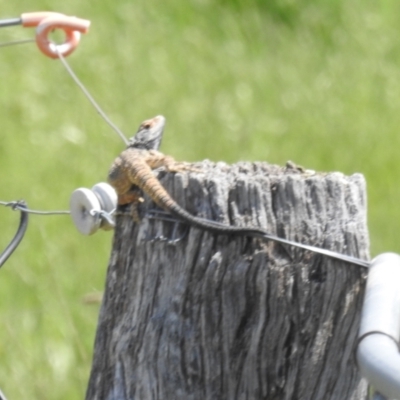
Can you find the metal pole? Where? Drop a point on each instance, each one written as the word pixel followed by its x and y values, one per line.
pixel 378 344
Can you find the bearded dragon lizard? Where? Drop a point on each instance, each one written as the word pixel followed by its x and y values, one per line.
pixel 133 169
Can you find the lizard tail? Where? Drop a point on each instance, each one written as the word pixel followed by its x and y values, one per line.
pixel 217 227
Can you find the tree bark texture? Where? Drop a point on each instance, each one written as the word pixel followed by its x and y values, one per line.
pixel 229 317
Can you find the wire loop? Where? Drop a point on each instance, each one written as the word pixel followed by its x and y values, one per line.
pixel 16 240
pixel 46 22
pixel 72 27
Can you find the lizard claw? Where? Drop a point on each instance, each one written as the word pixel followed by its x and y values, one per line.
pixel 176 239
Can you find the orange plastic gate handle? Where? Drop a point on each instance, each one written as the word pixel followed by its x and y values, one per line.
pixel 46 22
pixel 33 19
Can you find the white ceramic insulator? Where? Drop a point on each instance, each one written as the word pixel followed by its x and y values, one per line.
pixel 108 201
pixel 107 196
pixel 82 202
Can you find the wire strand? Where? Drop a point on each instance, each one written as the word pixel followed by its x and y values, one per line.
pixel 2 396
pixel 16 205
pixel 10 22
pixel 15 42
pixel 79 84
pixel 89 97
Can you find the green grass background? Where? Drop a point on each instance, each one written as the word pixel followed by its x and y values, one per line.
pixel 316 82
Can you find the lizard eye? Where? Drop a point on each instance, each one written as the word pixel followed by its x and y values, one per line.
pixel 146 125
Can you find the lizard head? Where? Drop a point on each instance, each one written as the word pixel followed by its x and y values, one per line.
pixel 149 134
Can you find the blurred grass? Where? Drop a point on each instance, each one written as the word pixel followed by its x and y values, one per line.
pixel 317 83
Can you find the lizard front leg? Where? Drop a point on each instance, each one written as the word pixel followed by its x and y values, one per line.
pixel 132 196
pixel 126 191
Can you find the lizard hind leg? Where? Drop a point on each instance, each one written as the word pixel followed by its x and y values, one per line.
pixel 177 166
pixel 158 160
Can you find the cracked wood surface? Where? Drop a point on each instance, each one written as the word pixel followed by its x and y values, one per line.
pixel 230 317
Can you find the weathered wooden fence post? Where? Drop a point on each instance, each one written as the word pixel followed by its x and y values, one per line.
pixel 224 318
